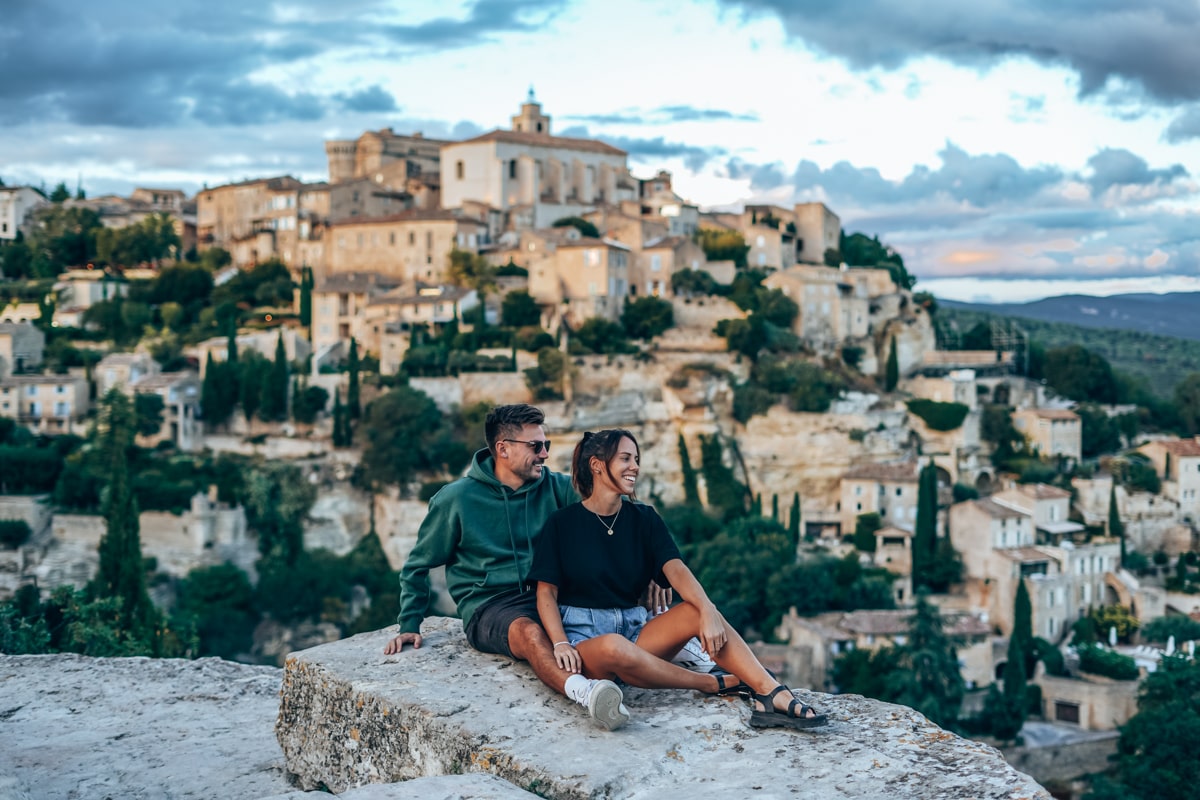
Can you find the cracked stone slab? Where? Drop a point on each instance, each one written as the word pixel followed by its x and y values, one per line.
pixel 350 716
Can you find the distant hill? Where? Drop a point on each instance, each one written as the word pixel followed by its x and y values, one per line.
pixel 1176 314
pixel 1154 339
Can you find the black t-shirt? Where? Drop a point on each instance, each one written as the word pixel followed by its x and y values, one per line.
pixel 595 570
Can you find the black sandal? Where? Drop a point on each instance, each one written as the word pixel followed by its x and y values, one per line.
pixel 724 689
pixel 772 717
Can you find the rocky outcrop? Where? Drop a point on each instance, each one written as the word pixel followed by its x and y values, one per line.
pixel 350 716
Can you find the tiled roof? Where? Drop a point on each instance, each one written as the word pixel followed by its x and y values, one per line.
pixel 1024 555
pixel 545 140
pixel 164 380
pixel 1181 447
pixel 1043 491
pixel 412 215
pixel 1050 413
pixel 996 510
pixel 896 472
pixel 357 282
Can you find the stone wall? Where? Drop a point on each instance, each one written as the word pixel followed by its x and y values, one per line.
pixel 1062 763
pixel 349 716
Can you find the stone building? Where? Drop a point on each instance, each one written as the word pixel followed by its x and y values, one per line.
pixel 22 345
pixel 120 370
pixel 532 175
pixel 575 276
pixel 48 404
pixel 887 489
pixel 411 245
pixel 1052 432
pixel 295 345
pixel 264 218
pixel 16 204
pixel 384 157
pixel 180 393
pixel 1177 463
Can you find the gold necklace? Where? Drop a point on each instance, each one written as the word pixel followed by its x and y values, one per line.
pixel 608 527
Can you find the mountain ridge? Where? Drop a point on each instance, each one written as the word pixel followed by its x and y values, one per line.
pixel 1172 314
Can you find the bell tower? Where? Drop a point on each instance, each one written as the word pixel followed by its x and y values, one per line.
pixel 531 119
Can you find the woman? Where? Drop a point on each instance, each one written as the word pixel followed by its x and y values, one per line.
pixel 592 560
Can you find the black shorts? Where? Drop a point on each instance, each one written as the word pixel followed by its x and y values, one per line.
pixel 488 629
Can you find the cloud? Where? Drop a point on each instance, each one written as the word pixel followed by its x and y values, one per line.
pixel 1185 126
pixel 139 64
pixel 665 115
pixel 373 98
pixel 694 157
pixel 1150 43
pixel 1118 167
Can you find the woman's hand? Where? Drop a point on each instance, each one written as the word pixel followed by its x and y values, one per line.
pixel 567 657
pixel 712 630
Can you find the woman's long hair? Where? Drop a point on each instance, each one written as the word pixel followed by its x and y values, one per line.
pixel 602 445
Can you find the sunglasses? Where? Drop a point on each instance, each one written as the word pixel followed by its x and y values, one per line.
pixel 535 445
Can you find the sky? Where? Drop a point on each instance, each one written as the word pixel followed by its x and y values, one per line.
pixel 1007 150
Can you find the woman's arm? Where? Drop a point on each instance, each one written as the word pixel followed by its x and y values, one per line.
pixel 547 605
pixel 712 624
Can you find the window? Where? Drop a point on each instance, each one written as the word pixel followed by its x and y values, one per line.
pixel 412 238
pixel 760 241
pixel 31 391
pixel 655 262
pixel 459 169
pixel 1066 712
pixel 512 168
pixel 62 409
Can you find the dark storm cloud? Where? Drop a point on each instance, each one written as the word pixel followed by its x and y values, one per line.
pixel 665 115
pixel 1122 168
pixel 1151 43
pixel 136 63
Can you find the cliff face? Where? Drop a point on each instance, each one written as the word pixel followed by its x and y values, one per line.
pixel 351 716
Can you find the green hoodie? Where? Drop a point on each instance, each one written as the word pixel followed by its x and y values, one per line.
pixel 483 532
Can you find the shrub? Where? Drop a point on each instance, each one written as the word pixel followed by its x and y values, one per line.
pixel 14 532
pixel 1107 663
pixel 939 416
pixel 1159 629
pixel 749 400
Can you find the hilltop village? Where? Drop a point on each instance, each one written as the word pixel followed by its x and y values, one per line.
pixel 774 367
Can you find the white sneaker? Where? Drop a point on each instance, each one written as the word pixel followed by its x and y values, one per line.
pixel 605 706
pixel 693 657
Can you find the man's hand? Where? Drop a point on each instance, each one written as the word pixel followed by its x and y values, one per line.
pixel 396 645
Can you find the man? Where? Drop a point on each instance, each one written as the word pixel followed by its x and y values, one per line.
pixel 482 528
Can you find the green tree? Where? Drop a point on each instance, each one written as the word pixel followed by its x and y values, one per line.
pixel 306 290
pixel 216 401
pixel 277 499
pixel 734 562
pixel 1160 629
pixel 17 259
pixel 1116 528
pixel 307 401
pixel 924 546
pixel 891 375
pixel 580 224
pixel 1022 632
pixel 275 385
pixel 1187 403
pixel 218 603
pixel 121 575
pixel 14 533
pixel 353 404
pixel 472 271
pixel 399 428
pixel 60 193
pixel 251 369
pixel 929 679
pixel 725 492
pixel 148 411
pixel 864 531
pixel 599 335
pixel 343 434
pixel 518 309
pixel 1079 374
pixel 546 379
pixel 1006 710
pixel 647 317
pixel 723 245
pixel 691 490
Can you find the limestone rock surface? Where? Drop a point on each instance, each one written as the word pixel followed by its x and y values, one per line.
pixel 350 716
pixel 133 728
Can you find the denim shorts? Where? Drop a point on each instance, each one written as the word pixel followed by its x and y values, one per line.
pixel 587 623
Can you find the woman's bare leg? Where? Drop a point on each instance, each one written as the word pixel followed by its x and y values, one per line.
pixel 613 655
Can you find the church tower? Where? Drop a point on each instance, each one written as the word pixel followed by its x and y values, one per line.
pixel 531 119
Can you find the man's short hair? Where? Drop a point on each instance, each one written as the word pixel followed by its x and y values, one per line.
pixel 505 422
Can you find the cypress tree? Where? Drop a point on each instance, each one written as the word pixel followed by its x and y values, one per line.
pixel 1023 628
pixel 794 520
pixel 930 680
pixel 925 536
pixel 352 402
pixel 691 491
pixel 121 574
pixel 775 507
pixel 250 385
pixel 210 395
pixel 892 375
pixel 1115 526
pixel 275 384
pixel 306 289
pixel 342 433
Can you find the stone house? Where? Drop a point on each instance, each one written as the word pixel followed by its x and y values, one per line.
pixel 384 157
pixel 263 218
pixel 47 404
pixel 16 204
pixel 956 386
pixel 887 489
pixel 533 176
pixel 120 370
pixel 77 290
pixel 180 393
pixel 410 245
pixel 652 269
pixel 295 346
pixel 22 346
pixel 575 276
pixel 1095 703
pixel 658 201
pixel 338 303
pixel 1048 506
pixel 1052 432
pixel 391 316
pixel 1177 462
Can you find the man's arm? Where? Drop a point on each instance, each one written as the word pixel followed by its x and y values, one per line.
pixel 436 541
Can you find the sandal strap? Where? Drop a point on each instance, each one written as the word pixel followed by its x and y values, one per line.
pixel 768 700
